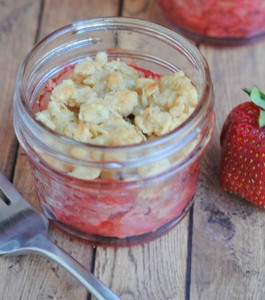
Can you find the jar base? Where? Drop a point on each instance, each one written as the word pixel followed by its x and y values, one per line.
pixel 119 242
pixel 215 41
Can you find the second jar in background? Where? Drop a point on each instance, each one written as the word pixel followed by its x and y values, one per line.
pixel 222 22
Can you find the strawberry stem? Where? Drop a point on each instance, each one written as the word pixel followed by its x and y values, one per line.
pixel 258 97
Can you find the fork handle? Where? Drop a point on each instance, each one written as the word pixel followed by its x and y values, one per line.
pixel 47 248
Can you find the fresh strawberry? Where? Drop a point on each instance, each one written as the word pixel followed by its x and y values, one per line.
pixel 242 169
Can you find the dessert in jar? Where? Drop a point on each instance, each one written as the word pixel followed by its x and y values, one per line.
pixel 114 130
pixel 224 21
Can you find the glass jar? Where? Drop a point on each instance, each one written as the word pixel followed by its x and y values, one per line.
pixel 217 21
pixel 144 189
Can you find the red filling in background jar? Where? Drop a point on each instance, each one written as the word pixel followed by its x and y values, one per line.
pixel 110 207
pixel 218 19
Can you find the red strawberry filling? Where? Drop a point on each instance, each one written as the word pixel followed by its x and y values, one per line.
pixel 214 18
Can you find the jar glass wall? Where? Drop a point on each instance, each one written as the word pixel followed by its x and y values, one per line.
pixel 221 22
pixel 143 190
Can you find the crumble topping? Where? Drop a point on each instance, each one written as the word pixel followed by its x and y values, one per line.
pixel 107 103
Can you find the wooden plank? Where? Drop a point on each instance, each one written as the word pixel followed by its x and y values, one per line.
pixel 156 270
pixel 59 13
pixel 14 16
pixel 145 9
pixel 228 256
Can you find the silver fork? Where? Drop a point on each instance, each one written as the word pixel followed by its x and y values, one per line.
pixel 23 230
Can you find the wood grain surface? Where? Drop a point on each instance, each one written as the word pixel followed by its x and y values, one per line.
pixel 216 252
pixel 14 15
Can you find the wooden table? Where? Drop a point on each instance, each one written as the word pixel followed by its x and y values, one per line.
pixel 216 252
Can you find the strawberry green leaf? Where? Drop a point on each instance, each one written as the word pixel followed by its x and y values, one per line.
pixel 257 96
pixel 248 91
pixel 262 95
pixel 262 118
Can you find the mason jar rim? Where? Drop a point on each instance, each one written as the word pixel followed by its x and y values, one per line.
pixel 79 27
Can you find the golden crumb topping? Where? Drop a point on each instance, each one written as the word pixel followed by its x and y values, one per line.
pixel 107 103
